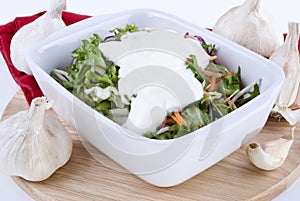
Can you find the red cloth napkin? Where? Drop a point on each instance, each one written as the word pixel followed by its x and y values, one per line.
pixel 27 83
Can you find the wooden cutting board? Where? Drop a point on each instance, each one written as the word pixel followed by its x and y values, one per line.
pixel 234 178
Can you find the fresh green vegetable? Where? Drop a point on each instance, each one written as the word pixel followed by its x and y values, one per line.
pixel 91 72
pixel 219 84
pixel 118 32
pixel 94 79
pixel 209 48
pixel 195 118
pixel 248 96
pixel 231 82
pixel 194 115
pixel 195 68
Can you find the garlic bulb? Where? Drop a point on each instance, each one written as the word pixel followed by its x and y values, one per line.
pixel 250 26
pixel 32 33
pixel 33 143
pixel 287 57
pixel 272 154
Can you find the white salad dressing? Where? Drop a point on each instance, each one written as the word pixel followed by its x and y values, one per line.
pixel 149 111
pixel 152 67
pixel 159 39
pixel 135 59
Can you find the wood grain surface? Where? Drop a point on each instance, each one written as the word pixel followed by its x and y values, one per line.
pixel 234 178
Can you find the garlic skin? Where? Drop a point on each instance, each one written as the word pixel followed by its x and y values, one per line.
pixel 272 154
pixel 287 57
pixel 33 143
pixel 296 104
pixel 32 33
pixel 250 26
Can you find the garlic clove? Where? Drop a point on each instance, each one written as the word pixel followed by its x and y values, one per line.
pixel 272 154
pixel 33 143
pixel 250 26
pixel 287 57
pixel 32 33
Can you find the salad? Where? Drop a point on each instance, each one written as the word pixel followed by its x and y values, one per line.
pixel 94 79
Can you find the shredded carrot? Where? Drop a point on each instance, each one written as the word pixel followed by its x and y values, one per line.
pixel 178 118
pixel 188 61
pixel 213 83
pixel 168 122
pixel 207 87
pixel 224 75
pixel 230 103
pixel 206 95
pixel 212 58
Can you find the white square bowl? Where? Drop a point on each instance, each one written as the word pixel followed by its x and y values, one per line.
pixel 160 162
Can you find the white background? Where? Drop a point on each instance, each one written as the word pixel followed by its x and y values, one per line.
pixel 199 12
